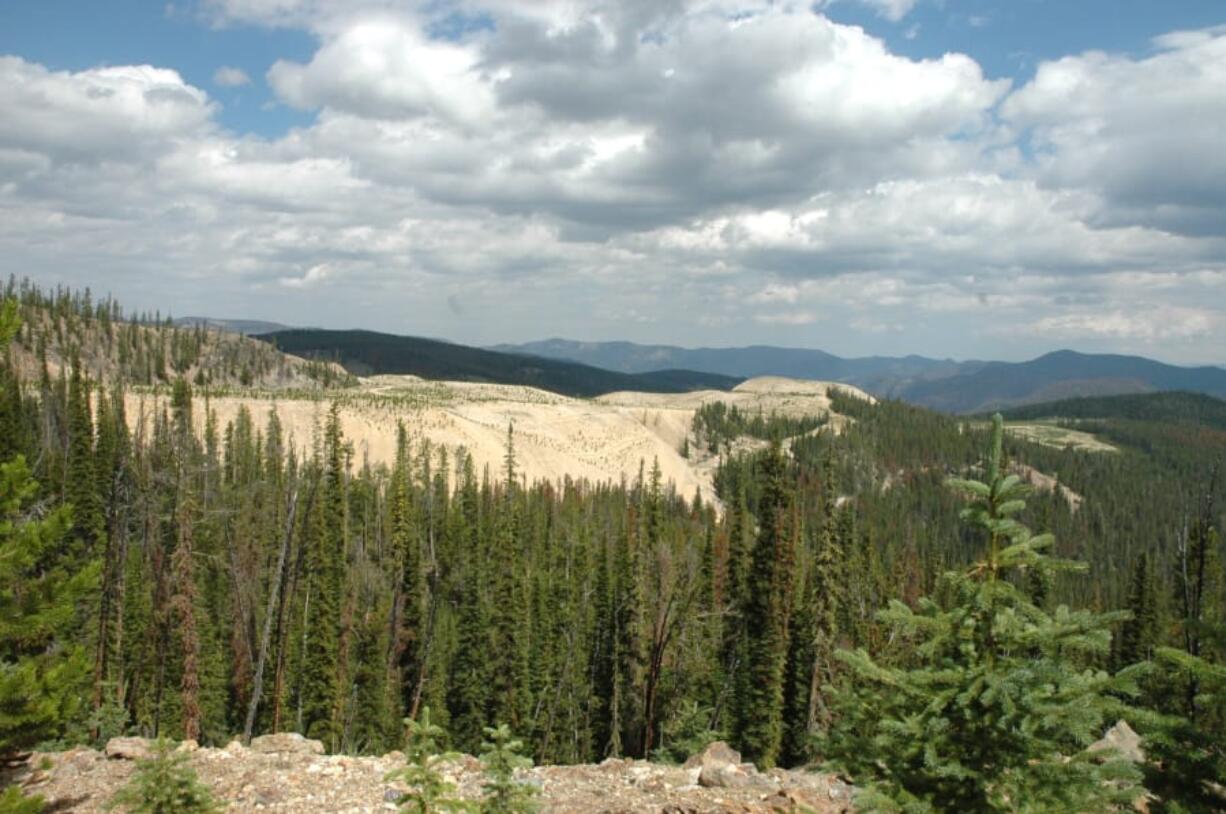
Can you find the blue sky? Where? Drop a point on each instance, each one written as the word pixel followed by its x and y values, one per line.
pixel 958 178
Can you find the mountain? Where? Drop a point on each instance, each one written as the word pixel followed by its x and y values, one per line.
pixel 1172 407
pixel 250 327
pixel 367 352
pixel 1059 375
pixel 880 375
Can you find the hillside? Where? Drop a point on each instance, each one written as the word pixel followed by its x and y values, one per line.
pixel 1175 406
pixel 556 437
pixel 1060 375
pixel 147 350
pixel 237 326
pixel 367 353
pixel 942 384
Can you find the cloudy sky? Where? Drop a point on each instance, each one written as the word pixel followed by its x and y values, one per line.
pixel 947 177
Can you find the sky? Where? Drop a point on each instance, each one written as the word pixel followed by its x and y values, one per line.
pixel 953 178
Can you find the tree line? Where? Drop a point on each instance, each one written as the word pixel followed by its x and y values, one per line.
pixel 190 580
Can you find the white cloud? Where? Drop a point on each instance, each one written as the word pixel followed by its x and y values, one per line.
pixel 120 112
pixel 725 171
pixel 383 68
pixel 1145 134
pixel 230 77
pixel 786 318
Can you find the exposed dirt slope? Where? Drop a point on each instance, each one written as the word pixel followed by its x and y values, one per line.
pixel 604 439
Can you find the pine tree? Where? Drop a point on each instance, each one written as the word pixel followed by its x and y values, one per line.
pixel 997 714
pixel 429 792
pixel 321 680
pixel 164 784
pixel 1139 635
pixel 767 612
pixel 502 755
pixel 42 674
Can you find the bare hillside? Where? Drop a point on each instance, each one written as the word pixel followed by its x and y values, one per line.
pixel 605 439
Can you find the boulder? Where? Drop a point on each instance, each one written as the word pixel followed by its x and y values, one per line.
pixel 719 766
pixel 129 748
pixel 286 743
pixel 1124 740
pixel 716 753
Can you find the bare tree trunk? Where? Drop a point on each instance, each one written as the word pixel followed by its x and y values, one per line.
pixel 257 681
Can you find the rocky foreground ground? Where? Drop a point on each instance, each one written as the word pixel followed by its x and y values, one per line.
pixel 287 773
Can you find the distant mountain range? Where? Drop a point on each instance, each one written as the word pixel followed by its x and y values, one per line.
pixel 592 368
pixel 942 384
pixel 366 352
pixel 881 375
pixel 250 327
pixel 1061 375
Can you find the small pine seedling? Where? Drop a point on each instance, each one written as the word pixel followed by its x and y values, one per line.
pixel 502 756
pixel 164 784
pixel 13 801
pixel 428 792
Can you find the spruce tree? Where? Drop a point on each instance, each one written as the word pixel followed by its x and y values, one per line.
pixel 429 792
pixel 998 711
pixel 502 755
pixel 164 784
pixel 1139 635
pixel 327 521
pixel 42 673
pixel 768 608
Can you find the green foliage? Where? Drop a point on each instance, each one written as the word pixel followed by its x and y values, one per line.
pixel 40 678
pixel 14 801
pixel 165 784
pixel 717 424
pixel 502 755
pixel 685 733
pixel 1172 406
pixel 997 710
pixel 768 609
pixel 428 792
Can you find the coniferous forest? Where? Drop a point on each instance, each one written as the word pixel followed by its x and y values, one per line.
pixel 844 603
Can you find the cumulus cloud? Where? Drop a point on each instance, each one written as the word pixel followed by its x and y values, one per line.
pixel 386 69
pixel 98 114
pixel 1143 133
pixel 730 169
pixel 230 77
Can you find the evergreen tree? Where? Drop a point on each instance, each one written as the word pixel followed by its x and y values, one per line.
pixel 502 756
pixel 429 792
pixel 767 611
pixel 997 714
pixel 1139 634
pixel 41 673
pixel 164 784
pixel 321 680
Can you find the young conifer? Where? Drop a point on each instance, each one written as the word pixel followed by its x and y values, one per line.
pixel 999 711
pixel 502 756
pixel 429 792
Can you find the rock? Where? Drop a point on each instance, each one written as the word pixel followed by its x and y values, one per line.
pixel 716 753
pixel 1124 740
pixel 719 766
pixel 128 748
pixel 235 747
pixel 286 743
pixel 188 745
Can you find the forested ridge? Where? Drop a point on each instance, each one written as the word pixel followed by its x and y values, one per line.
pixel 205 581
